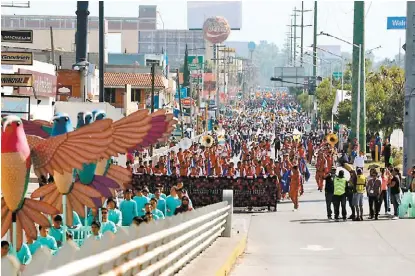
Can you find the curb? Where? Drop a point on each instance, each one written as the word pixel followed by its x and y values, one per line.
pixel 225 269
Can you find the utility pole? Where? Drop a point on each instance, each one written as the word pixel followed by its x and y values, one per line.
pixel 180 101
pixel 314 81
pixel 295 36
pixel 302 11
pixel 101 52
pixel 293 39
pixel 359 109
pixel 152 86
pixel 152 94
pixel 409 113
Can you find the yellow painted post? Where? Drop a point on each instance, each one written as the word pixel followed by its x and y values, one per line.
pixel 376 153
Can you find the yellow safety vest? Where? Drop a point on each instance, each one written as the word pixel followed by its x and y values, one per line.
pixel 339 186
pixel 361 184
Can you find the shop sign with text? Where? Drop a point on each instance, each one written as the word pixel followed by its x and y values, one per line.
pixel 44 85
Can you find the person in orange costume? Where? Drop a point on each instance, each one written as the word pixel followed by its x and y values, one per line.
pixel 310 151
pixel 301 151
pixel 321 167
pixel 296 186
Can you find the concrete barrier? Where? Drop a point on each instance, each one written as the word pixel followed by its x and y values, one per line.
pixel 159 248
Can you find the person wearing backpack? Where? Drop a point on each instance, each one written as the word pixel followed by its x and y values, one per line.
pixel 374 189
pixel 358 195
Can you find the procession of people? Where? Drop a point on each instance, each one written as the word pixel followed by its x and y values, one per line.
pixel 262 138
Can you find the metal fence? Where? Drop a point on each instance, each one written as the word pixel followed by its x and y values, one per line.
pixel 159 248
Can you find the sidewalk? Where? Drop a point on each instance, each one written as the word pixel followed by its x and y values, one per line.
pixel 221 256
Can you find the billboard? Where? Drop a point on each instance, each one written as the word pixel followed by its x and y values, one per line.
pixel 291 76
pixel 44 85
pixel 17 36
pixel 199 11
pixel 17 58
pixel 196 68
pixel 17 80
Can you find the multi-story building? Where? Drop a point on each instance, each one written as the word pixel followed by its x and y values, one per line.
pixel 172 41
pixel 64 29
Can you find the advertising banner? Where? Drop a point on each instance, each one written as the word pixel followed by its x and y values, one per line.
pixel 248 192
pixel 17 36
pixel 17 80
pixel 17 58
pixel 43 84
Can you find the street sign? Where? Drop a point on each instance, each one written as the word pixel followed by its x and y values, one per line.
pixel 337 75
pixel 396 23
pixel 17 36
pixel 196 68
pixel 17 58
pixel 183 93
pixel 251 46
pixel 195 63
pixel 17 80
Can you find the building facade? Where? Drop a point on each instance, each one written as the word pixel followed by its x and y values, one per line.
pixel 64 29
pixel 172 41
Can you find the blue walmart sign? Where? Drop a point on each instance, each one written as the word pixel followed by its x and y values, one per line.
pixel 396 23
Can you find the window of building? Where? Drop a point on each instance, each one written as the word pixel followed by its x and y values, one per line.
pixel 110 95
pixel 135 95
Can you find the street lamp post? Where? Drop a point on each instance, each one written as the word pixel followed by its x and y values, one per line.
pixel 361 66
pixel 342 63
pixel 331 81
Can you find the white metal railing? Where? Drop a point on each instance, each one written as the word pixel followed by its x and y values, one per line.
pixel 159 248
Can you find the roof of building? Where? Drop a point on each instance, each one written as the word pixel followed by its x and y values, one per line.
pixel 135 79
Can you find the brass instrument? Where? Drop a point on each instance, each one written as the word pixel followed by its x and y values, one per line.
pixel 215 128
pixel 207 141
pixel 297 138
pixel 348 167
pixel 332 139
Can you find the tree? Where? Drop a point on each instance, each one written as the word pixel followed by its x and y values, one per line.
pixel 325 99
pixel 384 101
pixel 385 98
pixel 186 72
pixel 344 111
pixel 305 102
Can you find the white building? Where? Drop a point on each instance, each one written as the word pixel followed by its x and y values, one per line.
pixel 42 95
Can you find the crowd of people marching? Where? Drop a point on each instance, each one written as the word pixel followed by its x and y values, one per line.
pixel 267 138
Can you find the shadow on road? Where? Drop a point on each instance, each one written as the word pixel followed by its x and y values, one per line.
pixel 317 221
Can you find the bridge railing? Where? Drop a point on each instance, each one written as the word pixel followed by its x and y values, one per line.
pixel 159 248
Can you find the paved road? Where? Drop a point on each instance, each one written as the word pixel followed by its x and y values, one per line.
pixel 305 243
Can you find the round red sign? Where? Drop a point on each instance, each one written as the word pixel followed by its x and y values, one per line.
pixel 216 29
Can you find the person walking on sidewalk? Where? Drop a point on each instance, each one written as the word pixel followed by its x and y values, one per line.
pixel 395 192
pixel 374 186
pixel 339 196
pixel 358 195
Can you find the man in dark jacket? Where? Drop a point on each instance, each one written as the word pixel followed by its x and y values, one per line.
pixel 387 151
pixel 329 190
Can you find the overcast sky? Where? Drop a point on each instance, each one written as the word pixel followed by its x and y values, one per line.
pixel 262 19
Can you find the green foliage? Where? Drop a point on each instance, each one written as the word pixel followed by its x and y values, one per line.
pixel 344 111
pixel 305 102
pixel 186 72
pixel 325 99
pixel 384 101
pixel 397 154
